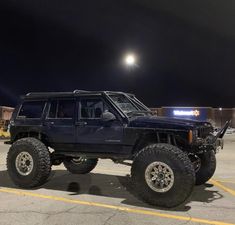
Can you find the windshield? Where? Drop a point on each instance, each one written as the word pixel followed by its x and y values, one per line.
pixel 123 103
pixel 129 105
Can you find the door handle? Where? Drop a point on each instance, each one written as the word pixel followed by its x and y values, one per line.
pixel 81 123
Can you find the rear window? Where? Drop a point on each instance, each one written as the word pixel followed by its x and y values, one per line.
pixel 32 109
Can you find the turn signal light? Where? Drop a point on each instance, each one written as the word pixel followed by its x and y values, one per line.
pixel 190 137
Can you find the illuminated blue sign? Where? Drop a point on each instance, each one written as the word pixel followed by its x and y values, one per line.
pixel 186 113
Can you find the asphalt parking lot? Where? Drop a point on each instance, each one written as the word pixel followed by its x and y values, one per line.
pixel 104 197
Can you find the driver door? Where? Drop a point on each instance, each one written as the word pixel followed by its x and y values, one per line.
pixel 93 134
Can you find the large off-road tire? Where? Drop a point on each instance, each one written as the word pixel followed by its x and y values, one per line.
pixel 164 162
pixel 80 165
pixel 28 163
pixel 207 167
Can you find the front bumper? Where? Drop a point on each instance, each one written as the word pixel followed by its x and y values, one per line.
pixel 208 144
pixel 212 142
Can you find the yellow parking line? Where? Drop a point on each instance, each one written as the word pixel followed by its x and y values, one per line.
pixel 229 190
pixel 225 181
pixel 125 209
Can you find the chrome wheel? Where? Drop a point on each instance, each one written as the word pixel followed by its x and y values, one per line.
pixel 24 163
pixel 159 177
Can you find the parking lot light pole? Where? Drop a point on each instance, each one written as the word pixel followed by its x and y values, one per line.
pixel 221 114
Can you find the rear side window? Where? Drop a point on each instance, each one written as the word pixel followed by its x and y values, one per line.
pixel 32 109
pixel 60 109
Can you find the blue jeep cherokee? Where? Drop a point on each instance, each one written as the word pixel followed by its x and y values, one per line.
pixel 169 156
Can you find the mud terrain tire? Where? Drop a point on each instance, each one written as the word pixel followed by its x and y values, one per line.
pixel 167 158
pixel 28 163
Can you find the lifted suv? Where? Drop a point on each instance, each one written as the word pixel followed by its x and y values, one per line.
pixel 168 155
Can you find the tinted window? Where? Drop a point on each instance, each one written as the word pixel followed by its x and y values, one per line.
pixel 92 108
pixel 32 109
pixel 62 109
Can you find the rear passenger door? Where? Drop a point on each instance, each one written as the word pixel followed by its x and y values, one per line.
pixel 60 123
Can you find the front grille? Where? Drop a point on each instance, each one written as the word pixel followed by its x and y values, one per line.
pixel 203 132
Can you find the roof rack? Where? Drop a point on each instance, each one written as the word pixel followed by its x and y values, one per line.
pixel 38 95
pixel 79 91
pixel 45 93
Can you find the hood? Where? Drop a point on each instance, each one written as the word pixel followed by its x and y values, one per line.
pixel 166 123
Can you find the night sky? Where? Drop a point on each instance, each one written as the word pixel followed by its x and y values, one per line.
pixel 185 49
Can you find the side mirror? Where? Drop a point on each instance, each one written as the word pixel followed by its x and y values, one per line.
pixel 108 116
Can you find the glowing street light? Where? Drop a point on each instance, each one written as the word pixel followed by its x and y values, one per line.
pixel 221 116
pixel 130 60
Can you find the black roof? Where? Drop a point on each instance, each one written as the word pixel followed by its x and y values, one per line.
pixel 74 93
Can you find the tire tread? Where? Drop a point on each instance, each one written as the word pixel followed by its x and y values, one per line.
pixel 155 150
pixel 44 162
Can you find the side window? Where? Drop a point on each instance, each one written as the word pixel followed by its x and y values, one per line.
pixel 31 109
pixel 92 108
pixel 62 109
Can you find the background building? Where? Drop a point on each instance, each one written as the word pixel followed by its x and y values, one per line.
pixel 5 116
pixel 217 116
